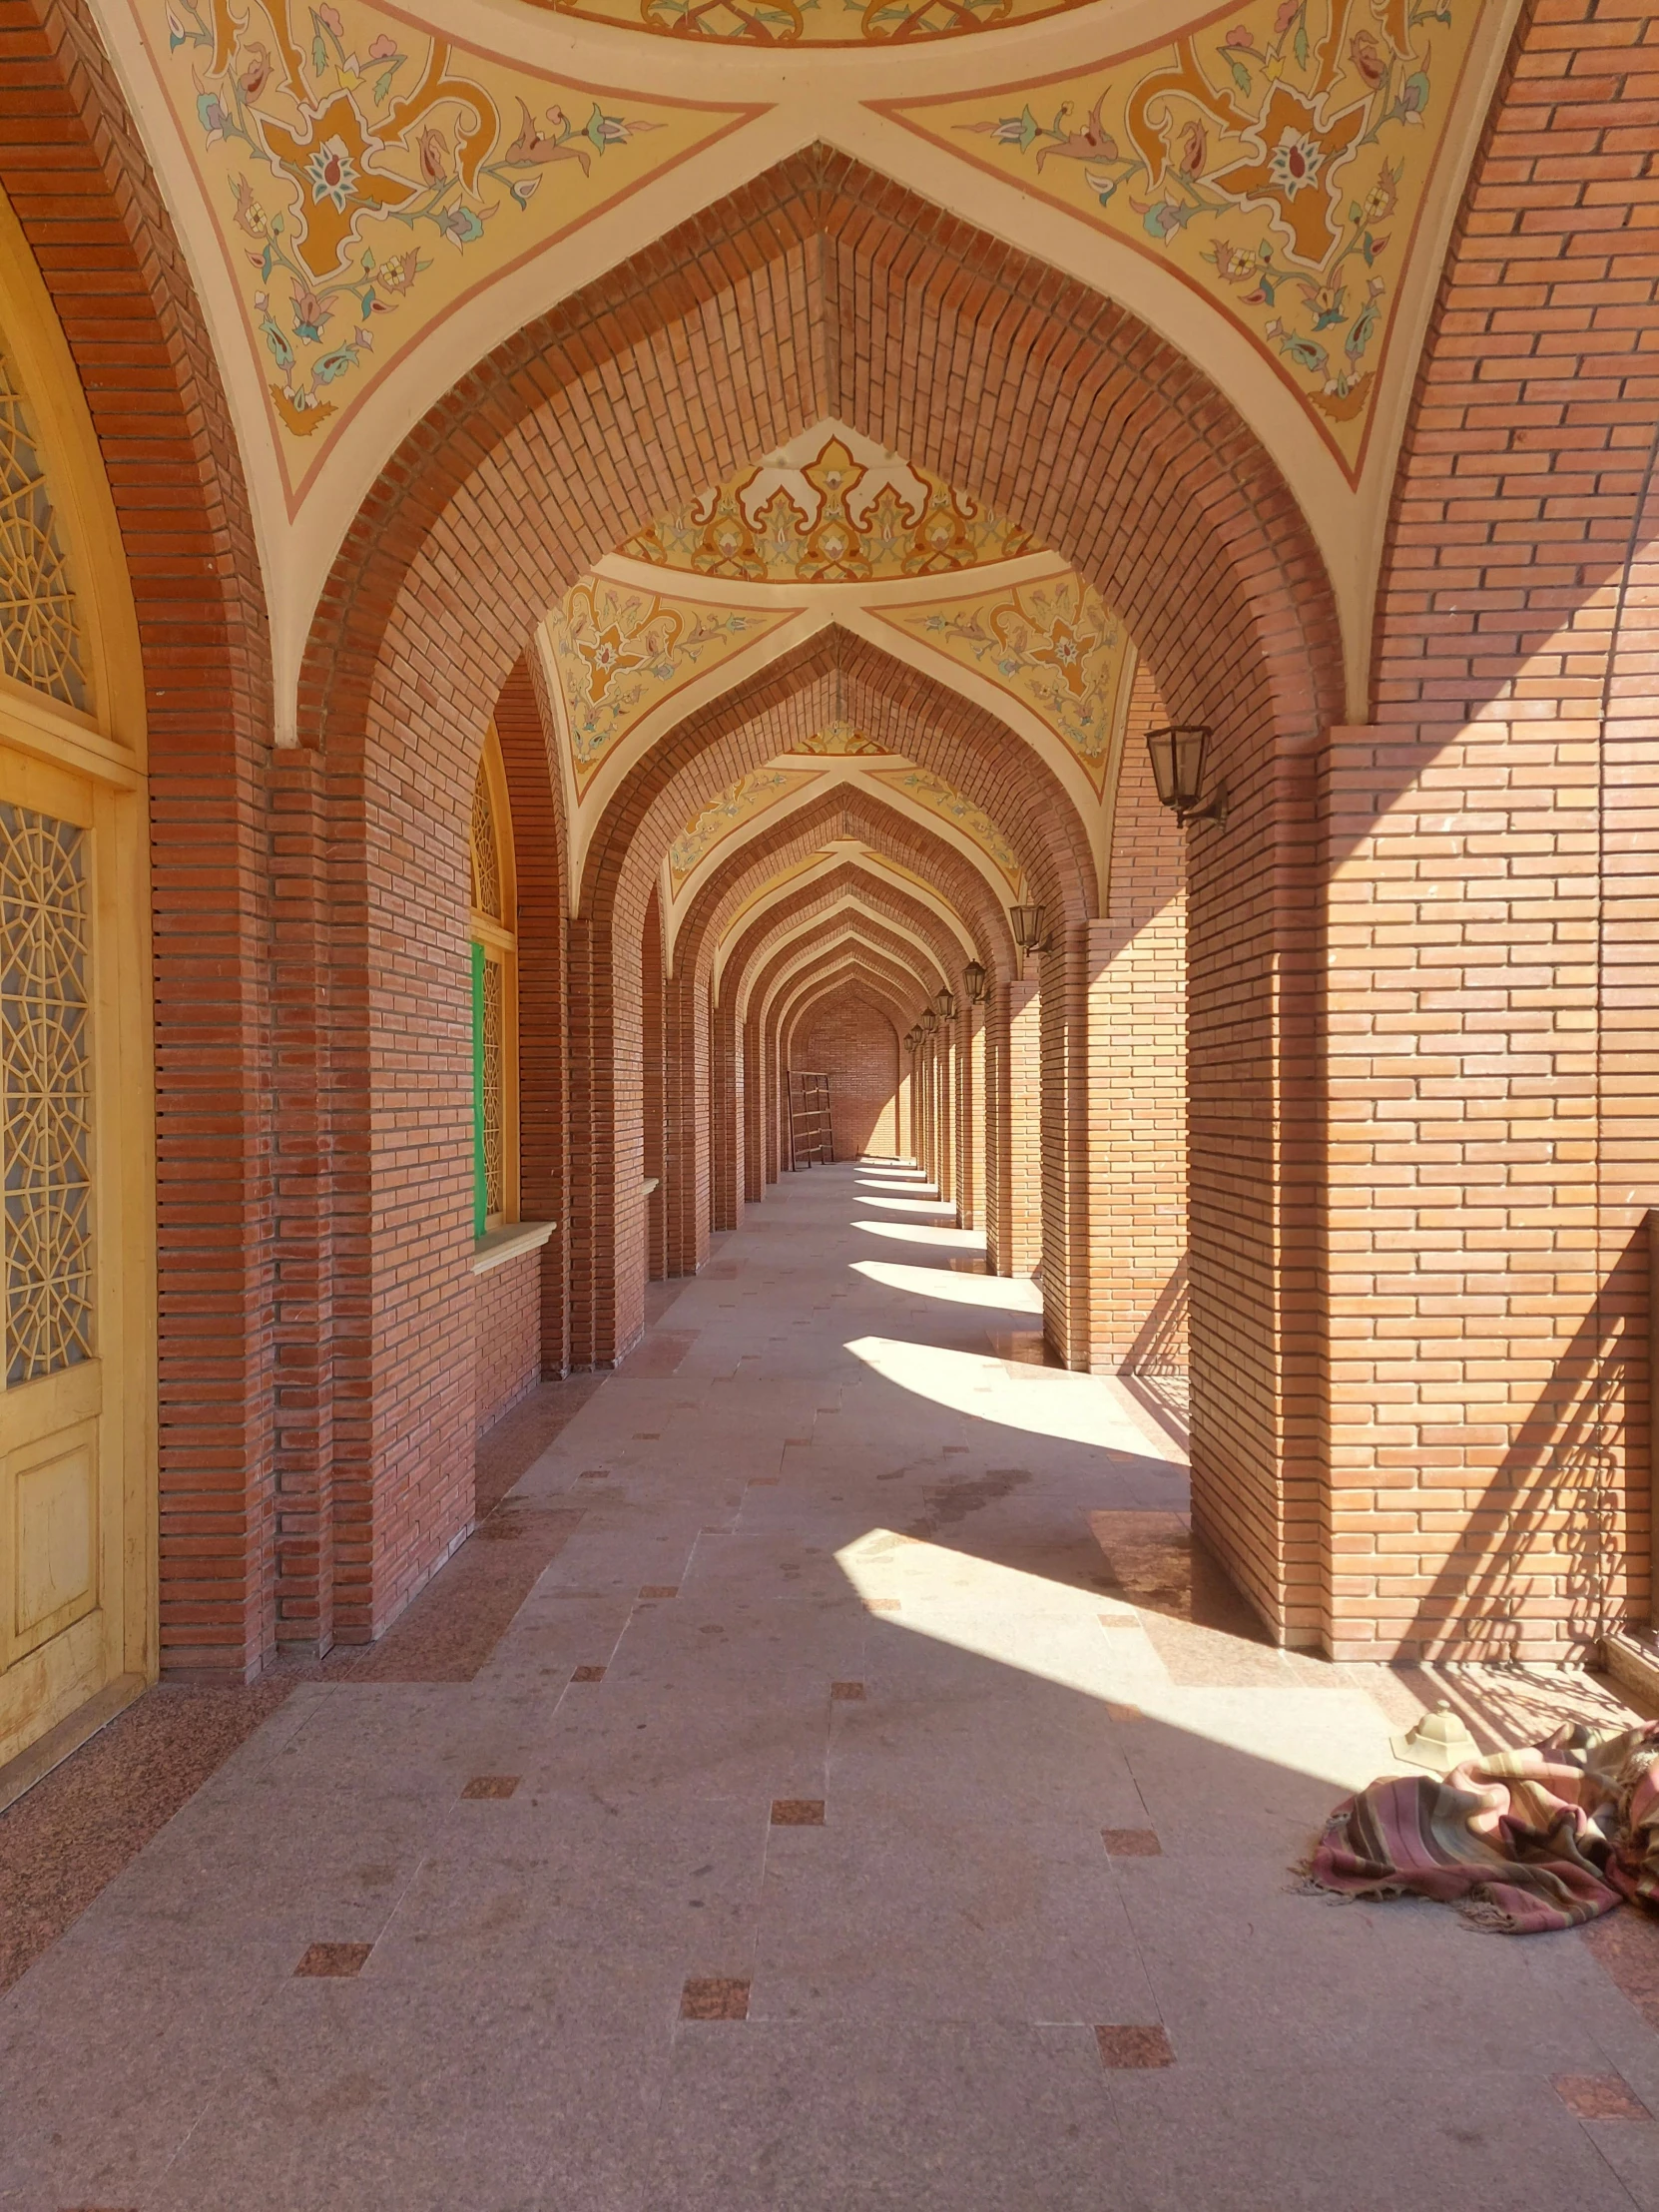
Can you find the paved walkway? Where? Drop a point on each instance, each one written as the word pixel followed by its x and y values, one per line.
pixel 864 1810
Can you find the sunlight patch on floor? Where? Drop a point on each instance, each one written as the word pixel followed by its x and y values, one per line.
pixel 1044 1401
pixel 909 1204
pixel 911 1232
pixel 1055 1633
pixel 1004 1293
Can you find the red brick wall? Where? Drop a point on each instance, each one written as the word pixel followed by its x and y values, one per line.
pixel 506 1327
pixel 855 1044
pixel 1490 1024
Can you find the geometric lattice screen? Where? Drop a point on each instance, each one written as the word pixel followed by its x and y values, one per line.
pixel 40 638
pixel 486 866
pixel 494 1055
pixel 46 1086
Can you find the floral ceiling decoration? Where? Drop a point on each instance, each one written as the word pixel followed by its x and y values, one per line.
pixel 768 23
pixel 621 653
pixel 830 507
pixel 1277 157
pixel 750 794
pixel 839 738
pixel 1050 644
pixel 369 177
pixel 941 799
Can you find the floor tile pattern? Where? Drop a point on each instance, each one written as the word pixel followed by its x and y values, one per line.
pixel 929 1851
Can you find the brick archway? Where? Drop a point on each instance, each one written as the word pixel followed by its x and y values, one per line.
pixel 1098 437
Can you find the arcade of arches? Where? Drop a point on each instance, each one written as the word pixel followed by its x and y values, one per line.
pixel 566 568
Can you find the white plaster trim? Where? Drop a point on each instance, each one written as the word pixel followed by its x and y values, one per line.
pixel 509 1243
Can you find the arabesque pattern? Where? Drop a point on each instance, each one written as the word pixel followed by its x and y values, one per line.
pixel 621 653
pixel 1277 157
pixel 40 631
pixel 370 177
pixel 939 798
pixel 811 22
pixel 750 795
pixel 1050 644
pixel 830 507
pixel 46 1070
pixel 486 865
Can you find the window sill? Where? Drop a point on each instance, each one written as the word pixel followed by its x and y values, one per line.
pixel 503 1244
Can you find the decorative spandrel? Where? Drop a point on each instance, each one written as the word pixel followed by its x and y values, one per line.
pixel 40 631
pixel 46 1079
pixel 486 865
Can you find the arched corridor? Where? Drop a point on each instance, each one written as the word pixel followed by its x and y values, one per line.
pixel 825 860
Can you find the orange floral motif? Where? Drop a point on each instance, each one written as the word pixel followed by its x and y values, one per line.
pixel 830 508
pixel 1276 156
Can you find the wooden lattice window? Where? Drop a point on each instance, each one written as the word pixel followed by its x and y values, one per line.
pixel 494 995
pixel 46 1081
pixel 39 632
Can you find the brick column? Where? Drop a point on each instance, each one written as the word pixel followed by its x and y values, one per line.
pixel 656 1162
pixel 726 1121
pixel 686 1125
pixel 970 1116
pixel 1017 1213
pixel 946 1042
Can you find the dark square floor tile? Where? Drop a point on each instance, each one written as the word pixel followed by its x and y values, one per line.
pixel 335 1961
pixel 887 1605
pixel 714 1999
pixel 588 1674
pixel 491 1785
pixel 763 1481
pixel 647 1436
pixel 846 1693
pixel 659 1589
pixel 1132 1843
pixel 594 1475
pixel 798 1812
pixel 1122 2047
pixel 1119 1620
pixel 1600 2097
pixel 1123 1712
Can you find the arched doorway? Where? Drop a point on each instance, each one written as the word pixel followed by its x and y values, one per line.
pixel 78 1599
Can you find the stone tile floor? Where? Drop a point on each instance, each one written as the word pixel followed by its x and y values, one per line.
pixel 853 1795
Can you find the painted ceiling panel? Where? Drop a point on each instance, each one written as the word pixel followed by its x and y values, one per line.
pixel 774 23
pixel 621 653
pixel 1049 643
pixel 368 177
pixel 830 507
pixel 750 794
pixel 1276 156
pixel 939 798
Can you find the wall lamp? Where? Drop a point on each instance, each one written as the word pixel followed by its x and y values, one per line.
pixel 1178 771
pixel 946 1003
pixel 929 1021
pixel 1027 924
pixel 913 1037
pixel 973 975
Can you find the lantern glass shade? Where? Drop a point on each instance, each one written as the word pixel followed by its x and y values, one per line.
pixel 947 1004
pixel 1027 925
pixel 1178 762
pixel 973 975
pixel 913 1037
pixel 929 1021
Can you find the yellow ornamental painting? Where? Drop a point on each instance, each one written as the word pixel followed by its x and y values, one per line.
pixel 1049 643
pixel 1277 157
pixel 622 653
pixel 830 507
pixel 739 803
pixel 771 23
pixel 951 804
pixel 371 178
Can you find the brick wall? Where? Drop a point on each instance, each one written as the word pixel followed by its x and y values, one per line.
pixel 506 1329
pixel 855 1044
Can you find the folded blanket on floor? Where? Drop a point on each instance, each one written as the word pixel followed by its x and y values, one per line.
pixel 1520 1842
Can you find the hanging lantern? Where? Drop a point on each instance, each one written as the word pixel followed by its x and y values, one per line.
pixel 973 975
pixel 1027 925
pixel 947 1004
pixel 929 1021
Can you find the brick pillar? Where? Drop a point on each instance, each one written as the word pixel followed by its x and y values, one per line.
pixel 1120 1281
pixel 753 1113
pixel 1019 1216
pixel 302 1171
pixel 653 1076
pixel 970 1116
pixel 1063 1139
pixel 727 1165
pixel 904 1122
pixel 946 1041
pixel 607 1151
pixel 686 1117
